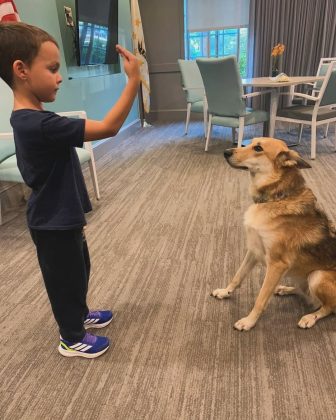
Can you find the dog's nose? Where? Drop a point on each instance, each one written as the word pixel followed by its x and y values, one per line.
pixel 228 153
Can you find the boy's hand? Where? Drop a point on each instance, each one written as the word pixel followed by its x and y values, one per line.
pixel 131 63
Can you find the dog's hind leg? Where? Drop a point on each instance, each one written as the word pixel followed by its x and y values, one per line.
pixel 322 286
pixel 246 266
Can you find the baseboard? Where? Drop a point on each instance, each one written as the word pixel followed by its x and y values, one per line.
pixel 172 115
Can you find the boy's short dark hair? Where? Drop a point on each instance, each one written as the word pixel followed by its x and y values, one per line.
pixel 19 41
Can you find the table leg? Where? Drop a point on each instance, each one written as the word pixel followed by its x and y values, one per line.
pixel 273 109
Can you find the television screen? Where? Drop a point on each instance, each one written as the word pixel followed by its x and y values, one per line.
pixel 97 31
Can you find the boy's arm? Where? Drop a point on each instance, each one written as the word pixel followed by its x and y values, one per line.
pixel 114 119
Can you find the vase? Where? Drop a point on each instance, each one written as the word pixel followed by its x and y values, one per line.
pixel 276 65
pixel 275 72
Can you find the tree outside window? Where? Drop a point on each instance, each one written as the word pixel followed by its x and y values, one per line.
pixel 219 43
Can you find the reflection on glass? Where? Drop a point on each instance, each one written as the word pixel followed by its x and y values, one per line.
pixel 93 42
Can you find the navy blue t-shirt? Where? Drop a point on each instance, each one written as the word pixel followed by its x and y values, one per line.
pixel 45 149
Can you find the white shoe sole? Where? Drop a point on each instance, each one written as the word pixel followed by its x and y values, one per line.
pixel 75 353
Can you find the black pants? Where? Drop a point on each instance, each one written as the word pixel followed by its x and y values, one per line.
pixel 65 264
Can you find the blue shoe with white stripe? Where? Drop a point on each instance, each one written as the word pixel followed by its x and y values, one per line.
pixel 90 346
pixel 98 319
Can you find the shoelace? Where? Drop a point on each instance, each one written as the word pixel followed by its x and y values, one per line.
pixel 93 314
pixel 89 339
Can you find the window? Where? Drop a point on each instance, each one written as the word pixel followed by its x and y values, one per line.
pixel 219 43
pixel 217 28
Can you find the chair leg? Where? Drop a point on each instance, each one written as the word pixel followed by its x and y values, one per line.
pixel 188 118
pixel 205 118
pixel 325 130
pixel 208 133
pixel 240 131
pixel 300 133
pixel 313 141
pixel 94 178
pixel 233 135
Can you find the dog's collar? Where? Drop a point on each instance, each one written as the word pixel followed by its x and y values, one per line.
pixel 265 198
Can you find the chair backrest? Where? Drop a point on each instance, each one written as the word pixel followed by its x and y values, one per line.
pixel 191 80
pixel 328 89
pixel 223 86
pixel 322 70
pixel 71 114
pixel 7 146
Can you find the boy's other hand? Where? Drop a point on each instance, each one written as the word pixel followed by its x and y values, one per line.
pixel 131 63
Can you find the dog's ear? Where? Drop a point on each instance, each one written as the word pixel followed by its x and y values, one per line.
pixel 289 158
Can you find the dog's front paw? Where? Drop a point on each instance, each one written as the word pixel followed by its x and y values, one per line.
pixel 244 324
pixel 307 321
pixel 221 293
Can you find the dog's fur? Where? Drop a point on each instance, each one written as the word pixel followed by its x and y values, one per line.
pixel 286 232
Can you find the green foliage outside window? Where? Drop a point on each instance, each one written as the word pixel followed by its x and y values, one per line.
pixel 220 43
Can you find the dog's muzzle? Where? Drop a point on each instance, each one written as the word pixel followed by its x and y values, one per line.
pixel 228 154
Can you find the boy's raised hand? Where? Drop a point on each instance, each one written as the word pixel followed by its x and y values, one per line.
pixel 131 63
pixel 114 119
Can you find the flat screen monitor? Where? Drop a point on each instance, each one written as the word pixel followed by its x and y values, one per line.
pixel 97 31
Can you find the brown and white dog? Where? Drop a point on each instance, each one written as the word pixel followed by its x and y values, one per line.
pixel 286 232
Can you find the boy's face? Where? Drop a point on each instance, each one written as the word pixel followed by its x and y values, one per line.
pixel 43 75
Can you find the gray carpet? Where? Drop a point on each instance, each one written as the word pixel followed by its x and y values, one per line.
pixel 167 231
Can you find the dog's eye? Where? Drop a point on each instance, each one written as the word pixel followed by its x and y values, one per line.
pixel 258 148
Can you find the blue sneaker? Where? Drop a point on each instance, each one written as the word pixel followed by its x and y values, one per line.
pixel 98 319
pixel 90 346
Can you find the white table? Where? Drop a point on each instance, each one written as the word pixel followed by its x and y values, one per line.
pixel 265 82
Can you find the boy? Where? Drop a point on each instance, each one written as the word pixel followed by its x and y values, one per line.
pixel 45 149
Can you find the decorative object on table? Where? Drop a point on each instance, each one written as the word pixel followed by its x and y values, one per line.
pixel 277 52
pixel 281 77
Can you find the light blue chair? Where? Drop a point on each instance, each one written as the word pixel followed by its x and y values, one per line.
pixel 192 84
pixel 321 112
pixel 225 97
pixel 9 171
pixel 7 146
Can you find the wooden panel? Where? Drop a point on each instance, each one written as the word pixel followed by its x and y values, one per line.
pixel 164 36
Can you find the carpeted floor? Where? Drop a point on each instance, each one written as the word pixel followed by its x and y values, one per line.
pixel 167 231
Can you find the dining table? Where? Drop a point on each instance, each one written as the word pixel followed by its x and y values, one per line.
pixel 274 87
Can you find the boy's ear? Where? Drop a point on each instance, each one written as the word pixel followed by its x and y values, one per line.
pixel 289 158
pixel 20 69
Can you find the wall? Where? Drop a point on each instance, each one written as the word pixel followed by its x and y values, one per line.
pixel 94 94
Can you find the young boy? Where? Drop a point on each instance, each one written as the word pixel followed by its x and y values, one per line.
pixel 45 149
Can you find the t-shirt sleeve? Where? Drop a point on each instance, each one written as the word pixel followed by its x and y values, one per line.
pixel 63 131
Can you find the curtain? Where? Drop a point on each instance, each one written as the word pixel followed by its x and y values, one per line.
pixel 306 27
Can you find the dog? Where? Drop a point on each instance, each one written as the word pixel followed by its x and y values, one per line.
pixel 286 232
